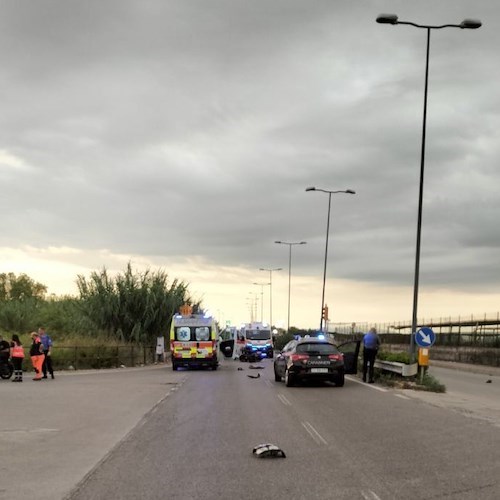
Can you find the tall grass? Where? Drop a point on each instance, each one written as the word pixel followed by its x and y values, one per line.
pixel 131 307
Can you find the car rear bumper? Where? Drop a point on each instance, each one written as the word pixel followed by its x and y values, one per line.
pixel 195 362
pixel 307 373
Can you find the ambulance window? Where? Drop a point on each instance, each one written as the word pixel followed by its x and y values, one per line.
pixel 202 333
pixel 183 333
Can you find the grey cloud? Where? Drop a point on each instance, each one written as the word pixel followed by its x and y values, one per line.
pixel 179 128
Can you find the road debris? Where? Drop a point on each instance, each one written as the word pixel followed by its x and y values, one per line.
pixel 268 450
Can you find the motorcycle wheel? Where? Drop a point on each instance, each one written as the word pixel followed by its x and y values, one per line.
pixel 6 371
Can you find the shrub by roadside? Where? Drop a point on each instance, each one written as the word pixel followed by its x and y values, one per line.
pixel 428 383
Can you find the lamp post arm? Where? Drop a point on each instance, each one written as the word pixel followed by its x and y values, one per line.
pixel 427 26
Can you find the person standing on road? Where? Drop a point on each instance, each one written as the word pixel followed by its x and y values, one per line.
pixel 160 349
pixel 47 351
pixel 17 356
pixel 371 343
pixel 37 356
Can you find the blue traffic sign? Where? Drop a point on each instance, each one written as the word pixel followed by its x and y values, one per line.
pixel 425 337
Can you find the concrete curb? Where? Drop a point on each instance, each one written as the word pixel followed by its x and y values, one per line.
pixel 464 367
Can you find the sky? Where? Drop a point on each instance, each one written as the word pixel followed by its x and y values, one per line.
pixel 181 135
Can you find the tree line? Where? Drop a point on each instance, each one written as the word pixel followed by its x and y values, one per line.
pixel 130 306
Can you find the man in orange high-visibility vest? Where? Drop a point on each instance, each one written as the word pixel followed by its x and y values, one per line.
pixel 37 356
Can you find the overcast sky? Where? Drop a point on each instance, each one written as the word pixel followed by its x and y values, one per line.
pixel 181 135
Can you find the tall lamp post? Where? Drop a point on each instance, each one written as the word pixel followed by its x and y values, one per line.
pixel 252 300
pixel 262 285
pixel 290 245
pixel 346 191
pixel 271 292
pixel 465 24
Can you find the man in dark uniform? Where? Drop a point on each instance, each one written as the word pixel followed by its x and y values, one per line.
pixel 371 343
pixel 47 351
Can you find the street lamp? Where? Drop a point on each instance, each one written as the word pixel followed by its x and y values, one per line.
pixel 262 285
pixel 290 245
pixel 251 301
pixel 271 292
pixel 465 24
pixel 346 191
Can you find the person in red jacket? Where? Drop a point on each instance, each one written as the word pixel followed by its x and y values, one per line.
pixel 37 355
pixel 17 356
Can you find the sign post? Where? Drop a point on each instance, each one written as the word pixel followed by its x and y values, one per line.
pixel 424 338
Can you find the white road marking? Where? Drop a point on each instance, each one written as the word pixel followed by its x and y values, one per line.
pixel 369 495
pixel 370 386
pixel 317 437
pixel 402 396
pixel 27 431
pixel 284 400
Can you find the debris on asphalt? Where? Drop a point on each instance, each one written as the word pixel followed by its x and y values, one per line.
pixel 256 367
pixel 268 450
pixel 254 376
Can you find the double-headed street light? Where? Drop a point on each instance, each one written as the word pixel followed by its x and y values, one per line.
pixel 262 285
pixel 347 191
pixel 271 292
pixel 290 245
pixel 252 301
pixel 465 24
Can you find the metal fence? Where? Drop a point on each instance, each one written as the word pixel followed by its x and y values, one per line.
pixel 483 328
pixel 96 357
pixel 477 339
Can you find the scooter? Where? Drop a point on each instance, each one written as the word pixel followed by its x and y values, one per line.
pixel 6 368
pixel 251 356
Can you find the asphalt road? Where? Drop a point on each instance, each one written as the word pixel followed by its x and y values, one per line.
pixel 360 441
pixel 154 433
pixel 54 432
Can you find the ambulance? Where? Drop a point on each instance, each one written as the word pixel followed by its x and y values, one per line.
pixel 193 340
pixel 257 340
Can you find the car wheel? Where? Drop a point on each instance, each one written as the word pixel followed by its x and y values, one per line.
pixel 277 378
pixel 174 367
pixel 339 381
pixel 289 379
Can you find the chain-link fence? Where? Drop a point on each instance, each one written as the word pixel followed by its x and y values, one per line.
pixel 96 357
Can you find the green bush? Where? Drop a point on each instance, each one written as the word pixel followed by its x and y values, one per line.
pixel 281 340
pixel 431 384
pixel 398 357
pixel 427 383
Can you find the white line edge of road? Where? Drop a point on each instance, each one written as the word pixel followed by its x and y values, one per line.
pixel 402 396
pixel 369 386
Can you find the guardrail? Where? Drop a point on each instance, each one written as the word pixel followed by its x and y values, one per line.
pixel 396 367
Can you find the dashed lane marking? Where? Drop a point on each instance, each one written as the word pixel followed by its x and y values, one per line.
pixel 369 495
pixel 284 400
pixel 317 437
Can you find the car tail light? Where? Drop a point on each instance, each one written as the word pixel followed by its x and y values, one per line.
pixel 336 357
pixel 299 357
